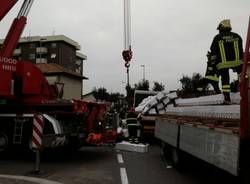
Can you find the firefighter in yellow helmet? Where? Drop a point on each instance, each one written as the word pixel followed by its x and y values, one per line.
pixel 227 50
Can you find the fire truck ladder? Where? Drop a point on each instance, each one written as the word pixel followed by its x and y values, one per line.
pixel 18 131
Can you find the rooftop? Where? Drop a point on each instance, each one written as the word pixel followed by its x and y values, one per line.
pixel 53 68
pixel 52 39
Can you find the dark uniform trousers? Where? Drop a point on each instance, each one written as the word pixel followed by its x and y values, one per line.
pixel 211 76
pixel 133 128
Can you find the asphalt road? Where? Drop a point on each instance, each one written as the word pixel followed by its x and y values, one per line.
pixel 105 165
pixel 150 168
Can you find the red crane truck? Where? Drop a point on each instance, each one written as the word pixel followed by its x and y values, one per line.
pixel 221 139
pixel 24 91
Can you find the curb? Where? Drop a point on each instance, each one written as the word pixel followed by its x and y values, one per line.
pixel 31 179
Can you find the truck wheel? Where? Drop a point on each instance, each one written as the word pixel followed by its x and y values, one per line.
pixel 166 150
pixel 179 159
pixel 172 156
pixel 167 154
pixel 175 153
pixel 3 141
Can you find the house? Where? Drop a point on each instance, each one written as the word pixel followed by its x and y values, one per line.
pixel 89 97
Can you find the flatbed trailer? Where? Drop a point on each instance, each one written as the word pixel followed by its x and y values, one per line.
pixel 214 140
pixel 148 124
pixel 215 133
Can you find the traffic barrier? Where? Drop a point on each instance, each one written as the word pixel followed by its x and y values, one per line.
pixel 38 124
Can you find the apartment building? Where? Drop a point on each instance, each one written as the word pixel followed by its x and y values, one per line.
pixel 58 57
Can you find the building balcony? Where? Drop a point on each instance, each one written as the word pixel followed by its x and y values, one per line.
pixel 41 60
pixel 78 71
pixel 17 52
pixel 41 50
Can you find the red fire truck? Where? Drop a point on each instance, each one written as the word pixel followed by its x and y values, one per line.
pixel 24 92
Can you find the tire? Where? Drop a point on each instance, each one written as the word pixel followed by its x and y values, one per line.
pixel 3 141
pixel 177 158
pixel 173 156
pixel 166 151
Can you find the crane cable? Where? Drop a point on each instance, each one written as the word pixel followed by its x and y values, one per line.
pixel 127 52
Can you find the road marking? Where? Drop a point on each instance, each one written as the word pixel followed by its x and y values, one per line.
pixel 124 177
pixel 120 159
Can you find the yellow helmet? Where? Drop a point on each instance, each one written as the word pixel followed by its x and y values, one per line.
pixel 224 24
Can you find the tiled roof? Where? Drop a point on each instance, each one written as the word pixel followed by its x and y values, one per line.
pixel 53 68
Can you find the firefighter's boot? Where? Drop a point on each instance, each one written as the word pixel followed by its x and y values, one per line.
pixel 216 87
pixel 136 140
pixel 227 99
pixel 130 139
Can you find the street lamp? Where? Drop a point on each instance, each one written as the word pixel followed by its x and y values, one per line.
pixel 143 66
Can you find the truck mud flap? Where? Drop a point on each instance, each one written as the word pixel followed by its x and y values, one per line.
pixel 54 141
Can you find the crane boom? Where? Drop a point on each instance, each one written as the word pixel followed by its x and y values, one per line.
pixel 127 52
pixel 6 5
pixel 16 30
pixel 127 25
pixel 8 65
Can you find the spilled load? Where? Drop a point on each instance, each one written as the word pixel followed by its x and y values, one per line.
pixel 204 106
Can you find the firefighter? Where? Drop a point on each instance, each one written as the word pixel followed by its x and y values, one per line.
pixel 133 126
pixel 211 76
pixel 227 50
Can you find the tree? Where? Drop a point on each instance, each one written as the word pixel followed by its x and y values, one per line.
pixel 190 85
pixel 196 81
pixel 117 101
pixel 143 85
pixel 186 84
pixel 158 86
pixel 114 97
pixel 101 94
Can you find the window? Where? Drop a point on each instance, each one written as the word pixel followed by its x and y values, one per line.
pixel 53 56
pixel 32 56
pixel 78 70
pixel 53 45
pixel 32 45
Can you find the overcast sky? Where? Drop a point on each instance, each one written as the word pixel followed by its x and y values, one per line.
pixel 169 37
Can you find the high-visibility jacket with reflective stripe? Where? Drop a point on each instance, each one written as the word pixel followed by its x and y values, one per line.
pixel 131 121
pixel 227 47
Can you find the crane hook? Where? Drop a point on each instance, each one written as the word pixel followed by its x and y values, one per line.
pixel 127 56
pixel 127 65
